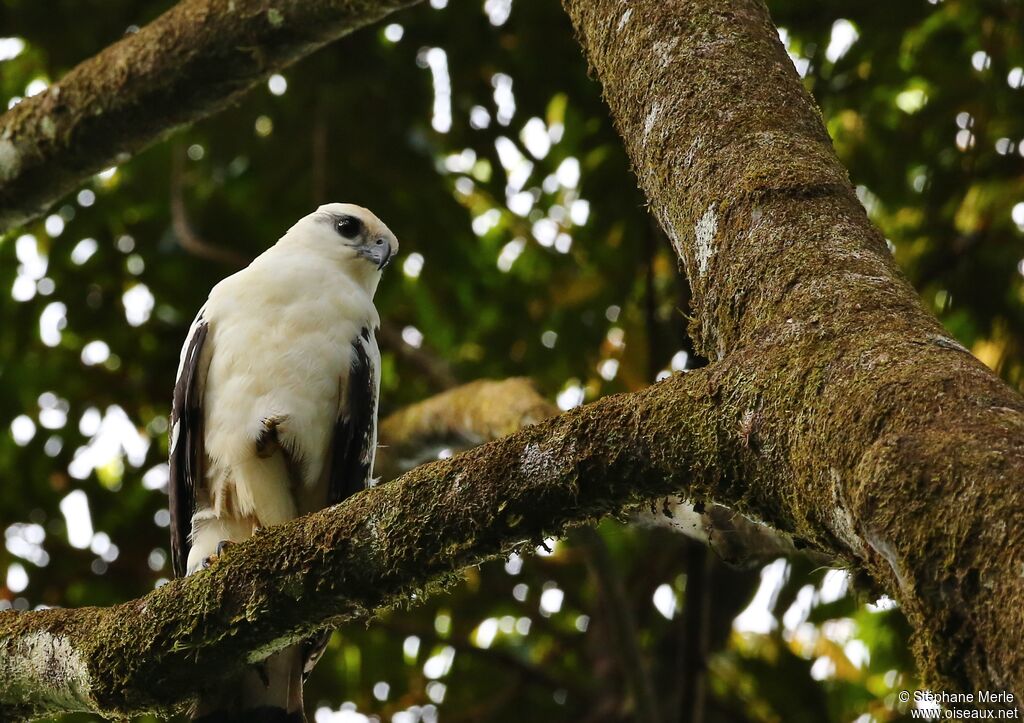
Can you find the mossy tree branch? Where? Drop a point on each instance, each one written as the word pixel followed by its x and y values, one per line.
pixel 192 61
pixel 371 552
pixel 485 410
pixel 865 429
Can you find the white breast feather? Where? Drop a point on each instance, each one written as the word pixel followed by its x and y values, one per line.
pixel 281 344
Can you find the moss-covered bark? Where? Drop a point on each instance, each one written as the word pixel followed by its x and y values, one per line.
pixel 375 550
pixel 867 430
pixel 192 61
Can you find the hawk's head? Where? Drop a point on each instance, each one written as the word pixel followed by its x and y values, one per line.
pixel 350 234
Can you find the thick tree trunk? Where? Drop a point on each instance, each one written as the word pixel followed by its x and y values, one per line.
pixel 858 424
pixel 193 60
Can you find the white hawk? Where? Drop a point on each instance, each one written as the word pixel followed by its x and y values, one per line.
pixel 275 415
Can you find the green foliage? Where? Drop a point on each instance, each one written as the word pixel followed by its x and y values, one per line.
pixel 528 268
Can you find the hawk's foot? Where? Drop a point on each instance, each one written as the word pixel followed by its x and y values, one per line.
pixel 221 547
pixel 267 441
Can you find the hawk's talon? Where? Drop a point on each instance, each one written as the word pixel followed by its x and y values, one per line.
pixel 221 547
pixel 261 669
pixel 267 440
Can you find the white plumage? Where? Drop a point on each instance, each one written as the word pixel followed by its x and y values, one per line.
pixel 276 399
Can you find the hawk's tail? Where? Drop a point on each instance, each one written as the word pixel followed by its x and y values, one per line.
pixel 270 692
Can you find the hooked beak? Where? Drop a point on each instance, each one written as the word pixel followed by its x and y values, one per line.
pixel 378 254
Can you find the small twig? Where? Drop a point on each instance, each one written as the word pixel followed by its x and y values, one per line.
pixel 693 643
pixel 627 652
pixel 435 369
pixel 187 237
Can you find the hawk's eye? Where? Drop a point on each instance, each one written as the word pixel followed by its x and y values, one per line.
pixel 349 226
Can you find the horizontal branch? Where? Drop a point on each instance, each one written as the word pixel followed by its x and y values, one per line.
pixel 194 60
pixel 486 410
pixel 106 660
pixel 374 551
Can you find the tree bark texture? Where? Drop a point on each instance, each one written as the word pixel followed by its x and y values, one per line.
pixel 859 426
pixel 193 60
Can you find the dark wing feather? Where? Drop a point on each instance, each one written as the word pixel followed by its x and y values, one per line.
pixel 187 456
pixel 352 452
pixel 355 432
